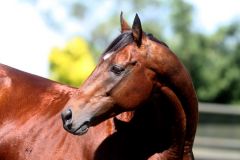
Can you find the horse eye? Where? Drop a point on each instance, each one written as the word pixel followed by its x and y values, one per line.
pixel 116 69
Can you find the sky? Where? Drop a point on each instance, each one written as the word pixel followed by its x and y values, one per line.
pixel 22 32
pixel 26 39
pixel 211 13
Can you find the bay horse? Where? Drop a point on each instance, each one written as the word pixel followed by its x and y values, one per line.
pixel 138 103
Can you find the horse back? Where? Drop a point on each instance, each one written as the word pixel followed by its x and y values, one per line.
pixel 23 93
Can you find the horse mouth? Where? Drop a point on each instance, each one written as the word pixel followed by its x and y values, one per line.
pixel 82 129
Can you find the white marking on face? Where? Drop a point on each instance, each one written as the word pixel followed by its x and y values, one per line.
pixel 107 56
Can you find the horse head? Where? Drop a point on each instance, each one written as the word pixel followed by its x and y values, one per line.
pixel 130 70
pixel 120 82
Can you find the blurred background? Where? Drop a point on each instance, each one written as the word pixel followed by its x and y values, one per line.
pixel 62 40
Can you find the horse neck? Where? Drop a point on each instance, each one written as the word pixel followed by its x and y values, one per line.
pixel 173 74
pixel 184 90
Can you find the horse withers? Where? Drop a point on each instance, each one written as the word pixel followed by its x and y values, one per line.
pixel 138 103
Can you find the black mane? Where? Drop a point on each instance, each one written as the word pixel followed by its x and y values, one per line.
pixel 151 37
pixel 126 38
pixel 121 41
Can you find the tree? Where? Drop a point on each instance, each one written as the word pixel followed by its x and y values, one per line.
pixel 210 59
pixel 73 63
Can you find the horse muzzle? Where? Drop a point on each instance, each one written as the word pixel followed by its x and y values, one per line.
pixel 68 124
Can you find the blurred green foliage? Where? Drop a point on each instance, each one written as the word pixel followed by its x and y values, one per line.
pixel 213 60
pixel 72 64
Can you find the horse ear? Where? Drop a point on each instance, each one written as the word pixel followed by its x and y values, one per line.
pixel 124 25
pixel 137 30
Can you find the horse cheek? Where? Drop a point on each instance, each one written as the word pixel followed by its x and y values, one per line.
pixel 138 90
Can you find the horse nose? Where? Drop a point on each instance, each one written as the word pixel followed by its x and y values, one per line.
pixel 67 118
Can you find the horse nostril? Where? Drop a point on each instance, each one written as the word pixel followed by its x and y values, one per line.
pixel 67 119
pixel 68 115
